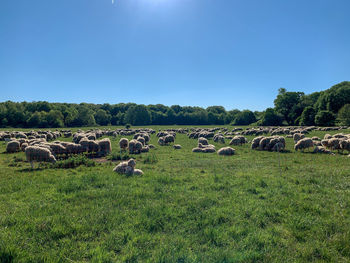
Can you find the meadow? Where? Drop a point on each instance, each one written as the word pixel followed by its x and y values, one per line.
pixel 254 206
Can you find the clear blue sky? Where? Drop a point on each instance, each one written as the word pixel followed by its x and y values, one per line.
pixel 234 53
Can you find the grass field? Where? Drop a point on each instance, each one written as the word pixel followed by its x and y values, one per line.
pixel 187 207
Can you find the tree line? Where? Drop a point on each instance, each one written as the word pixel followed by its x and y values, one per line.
pixel 325 108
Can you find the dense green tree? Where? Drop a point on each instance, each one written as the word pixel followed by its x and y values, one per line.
pixel 245 117
pixel 270 118
pixel 55 119
pixel 138 115
pixel 334 98
pixel 85 116
pixel 344 115
pixel 102 117
pixel 286 105
pixel 324 118
pixel 307 118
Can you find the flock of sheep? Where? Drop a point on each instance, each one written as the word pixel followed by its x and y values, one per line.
pixel 43 146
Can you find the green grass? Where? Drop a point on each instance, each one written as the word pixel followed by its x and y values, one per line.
pixel 187 207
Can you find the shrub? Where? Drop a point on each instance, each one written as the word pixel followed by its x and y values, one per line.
pixel 324 118
pixel 73 162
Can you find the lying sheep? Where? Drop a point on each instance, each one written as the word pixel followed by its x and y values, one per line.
pixel 39 154
pixel 303 144
pixel 177 146
pixel 128 168
pixel 226 151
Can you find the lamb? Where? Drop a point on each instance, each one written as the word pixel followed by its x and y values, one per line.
pixel 128 168
pixel 303 144
pixel 13 146
pixel 123 143
pixel 226 151
pixel 39 154
pixel 135 147
pixel 177 146
pixel 145 149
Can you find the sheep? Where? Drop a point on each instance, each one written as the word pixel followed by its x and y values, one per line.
pixel 345 145
pixel 13 146
pixel 177 146
pixel 238 140
pixel 320 149
pixel 105 146
pixel 39 154
pixel 135 147
pixel 226 151
pixel 145 149
pixel 327 137
pixel 219 138
pixel 123 143
pixel 141 140
pixel 161 141
pixel 24 146
pixel 303 144
pixel 334 144
pixel 203 141
pixel 256 142
pixel 169 139
pixel 128 168
pixel 298 136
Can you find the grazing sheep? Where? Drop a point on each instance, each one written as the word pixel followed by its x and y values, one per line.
pixel 177 146
pixel 39 154
pixel 169 139
pixel 345 145
pixel 203 141
pixel 24 146
pixel 334 144
pixel 13 146
pixel 298 136
pixel 303 144
pixel 135 147
pixel 123 143
pixel 219 138
pixel 320 149
pixel 141 140
pixel 145 149
pixel 327 137
pixel 226 151
pixel 256 142
pixel 238 140
pixel 105 146
pixel 161 141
